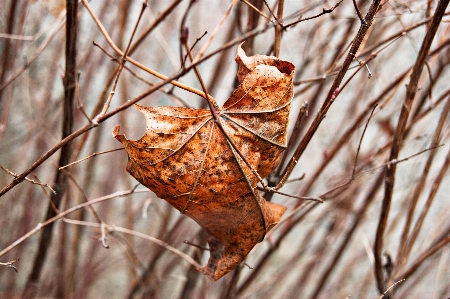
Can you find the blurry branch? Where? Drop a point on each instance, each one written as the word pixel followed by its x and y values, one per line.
pixel 393 285
pixel 108 82
pixel 371 170
pixel 48 197
pixel 406 243
pixel 257 10
pixel 77 96
pixel 368 50
pixel 278 22
pixel 424 256
pixel 90 208
pixel 113 228
pixel 278 29
pixel 355 161
pixel 158 20
pixel 363 64
pixel 15 36
pixel 90 156
pixel 401 32
pixel 11 265
pixel 357 11
pixel 324 11
pixel 347 134
pixel 60 181
pixel 419 222
pixel 338 253
pixel 279 26
pixel 139 77
pixel 331 94
pixel 28 180
pixel 59 23
pixel 134 62
pixel 215 31
pixel 394 161
pixel 67 212
pixel 121 64
pixel 398 139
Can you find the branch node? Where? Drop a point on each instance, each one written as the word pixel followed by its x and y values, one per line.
pixel 10 265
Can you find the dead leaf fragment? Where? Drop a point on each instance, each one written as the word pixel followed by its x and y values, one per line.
pixel 206 167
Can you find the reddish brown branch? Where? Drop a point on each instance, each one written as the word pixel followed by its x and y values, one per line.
pixel 60 182
pixel 397 142
pixel 332 92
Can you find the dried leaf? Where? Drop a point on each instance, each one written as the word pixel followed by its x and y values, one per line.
pixel 206 167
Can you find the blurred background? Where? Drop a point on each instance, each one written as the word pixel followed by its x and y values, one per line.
pixel 319 250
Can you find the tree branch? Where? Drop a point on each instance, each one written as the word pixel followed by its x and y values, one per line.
pixel 397 142
pixel 60 182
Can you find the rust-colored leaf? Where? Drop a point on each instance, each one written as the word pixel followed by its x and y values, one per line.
pixel 206 167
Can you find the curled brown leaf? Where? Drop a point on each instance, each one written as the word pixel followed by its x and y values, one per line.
pixel 208 168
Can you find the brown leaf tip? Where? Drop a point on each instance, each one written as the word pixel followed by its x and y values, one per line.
pixel 248 64
pixel 116 131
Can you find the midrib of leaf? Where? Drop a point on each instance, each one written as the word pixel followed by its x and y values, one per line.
pixel 252 190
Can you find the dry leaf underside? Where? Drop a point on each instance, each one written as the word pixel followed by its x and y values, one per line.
pixel 205 166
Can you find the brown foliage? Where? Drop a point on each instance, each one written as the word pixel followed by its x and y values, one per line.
pixel 208 165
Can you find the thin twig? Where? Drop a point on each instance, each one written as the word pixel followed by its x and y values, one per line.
pixel 11 264
pixel 90 208
pixel 113 228
pixel 361 139
pixel 67 212
pixel 15 175
pixel 424 256
pixel 19 37
pixel 213 106
pixel 77 96
pixel 318 199
pixel 324 12
pixel 91 156
pixel 139 77
pixel 48 197
pixel 362 64
pixel 192 47
pixel 257 10
pixel 272 13
pixel 59 23
pixel 215 31
pixel 386 165
pixel 122 63
pixel 358 12
pixel 103 237
pixel 136 63
pixel 423 213
pixel 396 283
pixel 196 245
